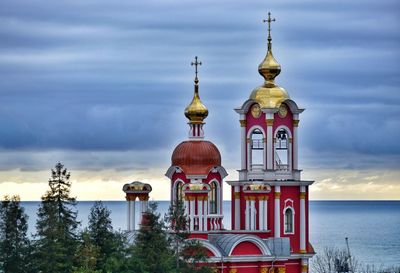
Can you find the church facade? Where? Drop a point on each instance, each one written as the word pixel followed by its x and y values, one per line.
pixel 269 201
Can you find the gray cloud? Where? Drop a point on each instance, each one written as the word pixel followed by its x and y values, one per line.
pixel 115 76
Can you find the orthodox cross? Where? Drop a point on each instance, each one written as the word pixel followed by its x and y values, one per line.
pixel 196 64
pixel 269 21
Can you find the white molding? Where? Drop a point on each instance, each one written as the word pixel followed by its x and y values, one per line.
pixel 208 245
pixel 218 195
pixel 178 180
pixel 293 220
pixel 255 240
pixel 252 128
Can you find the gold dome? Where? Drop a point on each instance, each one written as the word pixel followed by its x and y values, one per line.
pixel 196 112
pixel 269 95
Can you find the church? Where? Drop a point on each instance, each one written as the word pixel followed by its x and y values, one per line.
pixel 269 201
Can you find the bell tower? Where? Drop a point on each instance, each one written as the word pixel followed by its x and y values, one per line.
pixel 270 198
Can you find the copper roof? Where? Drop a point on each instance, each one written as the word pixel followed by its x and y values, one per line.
pixel 196 157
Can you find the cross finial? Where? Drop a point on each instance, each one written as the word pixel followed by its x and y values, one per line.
pixel 269 21
pixel 196 63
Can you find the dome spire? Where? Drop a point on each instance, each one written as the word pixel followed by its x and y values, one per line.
pixel 196 112
pixel 269 21
pixel 269 68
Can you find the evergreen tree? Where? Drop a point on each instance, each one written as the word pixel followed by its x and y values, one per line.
pixel 56 237
pixel 151 250
pixel 86 256
pixel 14 243
pixel 190 255
pixel 101 233
pixel 178 224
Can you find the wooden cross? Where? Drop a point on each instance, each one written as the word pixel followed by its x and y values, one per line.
pixel 196 63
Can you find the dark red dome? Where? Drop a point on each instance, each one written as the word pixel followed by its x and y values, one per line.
pixel 196 157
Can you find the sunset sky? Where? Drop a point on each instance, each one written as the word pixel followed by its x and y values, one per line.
pixel 101 86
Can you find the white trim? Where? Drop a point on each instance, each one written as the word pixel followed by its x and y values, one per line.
pixel 249 150
pixel 284 220
pixel 174 197
pixel 250 131
pixel 257 241
pixel 218 195
pixel 208 245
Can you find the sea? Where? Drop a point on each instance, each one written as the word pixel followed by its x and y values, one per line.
pixel 372 227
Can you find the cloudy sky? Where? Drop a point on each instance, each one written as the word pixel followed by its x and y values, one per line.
pixel 101 86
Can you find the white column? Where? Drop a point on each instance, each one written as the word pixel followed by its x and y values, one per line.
pixel 187 212
pixel 200 212
pixel 266 213
pixel 253 214
pixel 128 215
pixel 277 212
pixel 290 148
pixel 247 215
pixel 237 207
pixel 133 217
pixel 248 153
pixel 205 206
pixel 270 139
pixel 192 211
pixel 303 219
pixel 295 145
pixel 261 213
pixel 243 141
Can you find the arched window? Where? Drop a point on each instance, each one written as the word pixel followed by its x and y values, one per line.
pixel 179 194
pixel 257 149
pixel 282 150
pixel 289 221
pixel 213 198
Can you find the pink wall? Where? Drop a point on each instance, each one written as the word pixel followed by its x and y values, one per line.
pixel 288 192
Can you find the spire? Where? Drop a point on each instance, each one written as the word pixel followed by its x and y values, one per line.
pixel 196 112
pixel 269 67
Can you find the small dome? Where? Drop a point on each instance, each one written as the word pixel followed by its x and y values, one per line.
pixel 196 112
pixel 196 157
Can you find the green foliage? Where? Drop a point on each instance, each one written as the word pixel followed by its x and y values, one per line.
pixel 101 233
pixel 14 243
pixel 151 251
pixel 190 255
pixel 56 237
pixel 86 256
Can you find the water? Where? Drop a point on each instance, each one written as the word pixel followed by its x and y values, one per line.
pixel 373 227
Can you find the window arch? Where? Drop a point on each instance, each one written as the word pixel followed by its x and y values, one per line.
pixel 282 150
pixel 213 197
pixel 256 151
pixel 179 193
pixel 289 221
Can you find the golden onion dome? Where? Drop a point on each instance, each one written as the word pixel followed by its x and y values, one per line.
pixel 269 95
pixel 196 111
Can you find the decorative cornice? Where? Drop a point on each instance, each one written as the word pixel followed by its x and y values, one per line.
pixel 144 198
pixel 243 123
pixel 269 122
pixel 296 123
